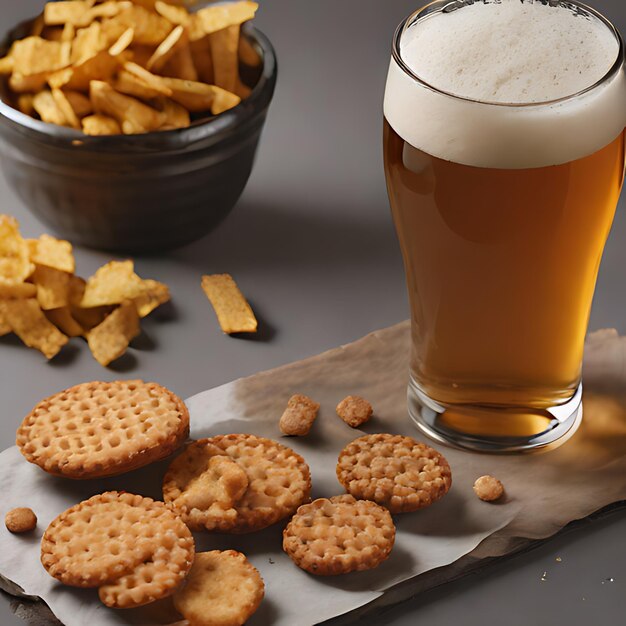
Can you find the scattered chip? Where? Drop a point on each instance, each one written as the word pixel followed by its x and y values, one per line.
pixel 56 304
pixel 52 287
pixel 52 252
pixel 27 321
pixel 15 265
pixel 109 340
pixel 98 125
pixel 233 311
pixel 113 283
pixel 15 291
pixel 155 295
pixel 62 318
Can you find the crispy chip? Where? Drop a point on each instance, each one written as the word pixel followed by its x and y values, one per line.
pixel 52 287
pixel 100 67
pixel 52 252
pixel 131 85
pixel 248 54
pixel 80 103
pixel 66 108
pixel 215 18
pixel 6 65
pixel 15 265
pixel 233 311
pixel 68 33
pixel 47 108
pixel 73 12
pixel 17 291
pixel 125 39
pixel 25 103
pixel 201 54
pixel 63 320
pixel 108 9
pixel 176 115
pixel 151 80
pixel 109 340
pixel 177 15
pixel 181 65
pixel 88 42
pixel 34 55
pixel 112 284
pixel 132 115
pixel 168 48
pixel 150 28
pixel 28 84
pixel 223 100
pixel 194 96
pixel 224 51
pixel 27 321
pixel 99 125
pixel 88 318
pixel 155 295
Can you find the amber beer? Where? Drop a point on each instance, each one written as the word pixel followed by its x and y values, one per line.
pixel 502 217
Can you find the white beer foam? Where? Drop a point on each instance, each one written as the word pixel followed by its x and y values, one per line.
pixel 508 52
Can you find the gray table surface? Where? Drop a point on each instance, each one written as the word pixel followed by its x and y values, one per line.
pixel 312 244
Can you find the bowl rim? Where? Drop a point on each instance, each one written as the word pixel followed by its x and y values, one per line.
pixel 165 140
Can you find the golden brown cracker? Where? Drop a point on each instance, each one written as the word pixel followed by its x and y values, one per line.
pixel 394 471
pixel 339 535
pixel 279 481
pixel 134 548
pixel 354 411
pixel 102 429
pixel 20 520
pixel 222 589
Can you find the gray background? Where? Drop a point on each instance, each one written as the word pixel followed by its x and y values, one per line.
pixel 312 245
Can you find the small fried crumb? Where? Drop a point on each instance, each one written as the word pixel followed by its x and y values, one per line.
pixel 488 488
pixel 354 411
pixel 20 520
pixel 299 416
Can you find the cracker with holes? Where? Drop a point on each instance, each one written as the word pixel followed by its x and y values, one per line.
pixel 134 549
pixel 210 495
pixel 222 589
pixel 102 429
pixel 339 535
pixel 397 472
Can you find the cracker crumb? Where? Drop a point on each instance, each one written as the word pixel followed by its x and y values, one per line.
pixel 354 411
pixel 20 520
pixel 488 488
pixel 299 416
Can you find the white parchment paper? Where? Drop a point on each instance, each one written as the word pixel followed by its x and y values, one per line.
pixel 544 492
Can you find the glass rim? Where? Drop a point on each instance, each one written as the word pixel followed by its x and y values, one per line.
pixel 431 7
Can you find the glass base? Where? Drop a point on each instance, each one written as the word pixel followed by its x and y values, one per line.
pixel 499 430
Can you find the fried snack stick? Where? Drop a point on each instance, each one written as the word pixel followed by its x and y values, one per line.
pixel 232 309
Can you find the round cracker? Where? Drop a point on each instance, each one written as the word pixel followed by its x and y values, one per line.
pixel 100 429
pixel 222 589
pixel 279 481
pixel 339 535
pixel 137 550
pixel 397 472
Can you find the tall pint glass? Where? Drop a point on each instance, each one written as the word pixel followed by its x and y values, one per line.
pixel 504 158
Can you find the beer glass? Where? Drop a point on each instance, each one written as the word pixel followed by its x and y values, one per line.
pixel 502 207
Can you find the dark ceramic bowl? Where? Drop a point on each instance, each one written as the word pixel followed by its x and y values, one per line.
pixel 138 193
